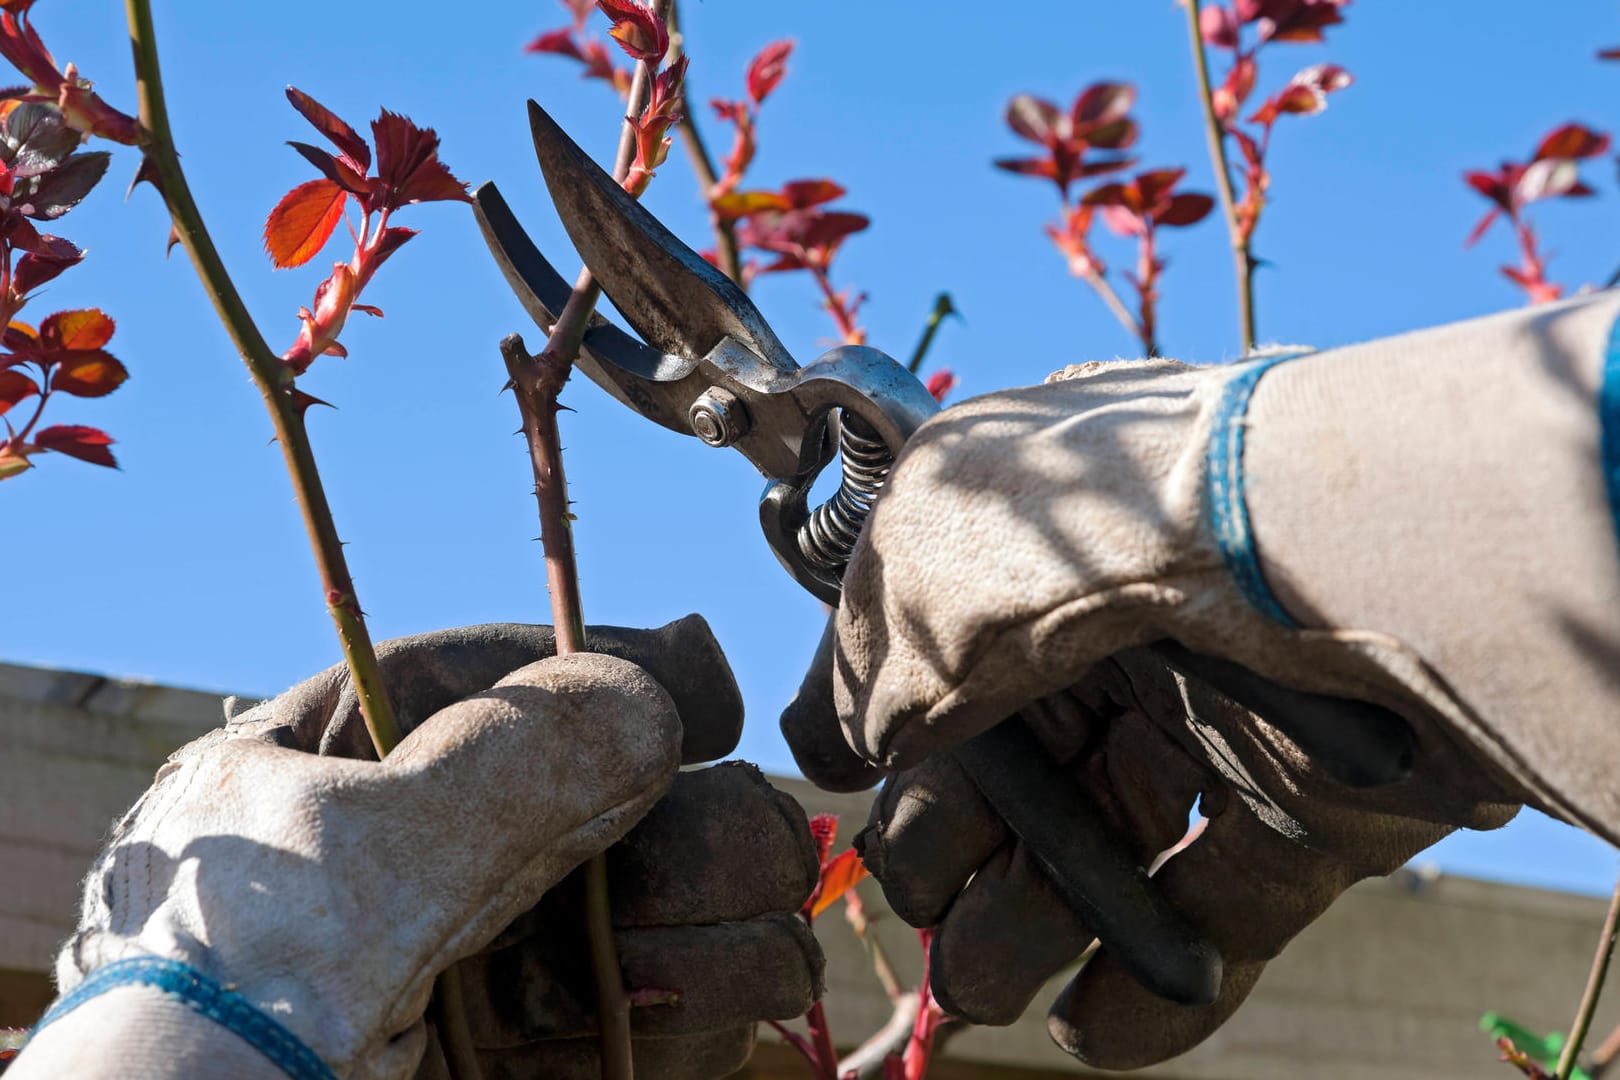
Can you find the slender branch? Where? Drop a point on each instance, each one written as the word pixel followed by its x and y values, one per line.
pixel 286 406
pixel 725 231
pixel 821 1039
pixel 537 381
pixel 273 379
pixel 1594 987
pixel 866 1060
pixel 795 1040
pixel 942 308
pixel 1242 256
pixel 1603 1058
pixel 1115 304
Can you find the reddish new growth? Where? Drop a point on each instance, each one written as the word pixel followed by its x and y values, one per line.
pixel 644 37
pixel 765 72
pixel 42 177
pixel 1243 30
pixel 1520 1060
pixel 792 225
pixel 1553 172
pixel 80 107
pixel 839 875
pixel 576 43
pixel 408 171
pixel 1088 140
pixel 941 383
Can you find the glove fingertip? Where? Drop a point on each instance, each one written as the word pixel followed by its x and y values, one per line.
pixel 814 734
pixel 688 662
pixel 1104 1018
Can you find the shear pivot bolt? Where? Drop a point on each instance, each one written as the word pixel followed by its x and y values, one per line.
pixel 718 418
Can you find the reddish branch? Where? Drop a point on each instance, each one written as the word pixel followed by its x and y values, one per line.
pixel 537 380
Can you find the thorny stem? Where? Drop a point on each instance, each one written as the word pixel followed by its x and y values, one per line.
pixel 942 308
pixel 1242 255
pixel 725 231
pixel 273 379
pixel 1594 987
pixel 537 381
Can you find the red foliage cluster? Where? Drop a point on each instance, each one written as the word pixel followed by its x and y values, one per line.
pixel 43 175
pixel 839 873
pixel 792 225
pixel 408 171
pixel 1553 172
pixel 81 108
pixel 1099 119
pixel 1242 30
pixel 1088 140
pixel 795 226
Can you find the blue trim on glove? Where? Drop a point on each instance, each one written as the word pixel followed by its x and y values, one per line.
pixel 1609 418
pixel 1229 510
pixel 197 991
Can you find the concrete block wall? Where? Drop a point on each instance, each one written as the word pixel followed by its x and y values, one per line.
pixel 1389 984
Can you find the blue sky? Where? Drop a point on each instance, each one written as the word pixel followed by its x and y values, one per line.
pixel 189 565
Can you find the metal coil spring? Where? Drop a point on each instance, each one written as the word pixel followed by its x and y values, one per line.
pixel 828 538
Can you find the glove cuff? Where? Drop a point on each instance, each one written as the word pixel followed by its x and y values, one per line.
pixel 173 1020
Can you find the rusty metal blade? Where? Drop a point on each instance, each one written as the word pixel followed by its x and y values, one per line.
pixel 666 291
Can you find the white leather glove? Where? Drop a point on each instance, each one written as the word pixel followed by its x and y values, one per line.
pixel 328 892
pixel 1425 523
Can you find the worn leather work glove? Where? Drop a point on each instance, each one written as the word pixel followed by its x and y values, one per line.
pixel 330 892
pixel 1424 523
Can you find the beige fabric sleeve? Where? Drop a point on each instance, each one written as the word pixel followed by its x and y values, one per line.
pixel 1446 488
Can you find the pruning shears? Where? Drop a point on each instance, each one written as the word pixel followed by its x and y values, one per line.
pixel 707 364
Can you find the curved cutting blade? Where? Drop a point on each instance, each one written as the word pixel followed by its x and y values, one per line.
pixel 621 365
pixel 668 293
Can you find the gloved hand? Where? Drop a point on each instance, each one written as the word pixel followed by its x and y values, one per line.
pixel 1423 523
pixel 330 891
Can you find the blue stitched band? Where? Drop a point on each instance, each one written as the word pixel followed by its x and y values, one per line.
pixel 194 989
pixel 1228 507
pixel 1609 418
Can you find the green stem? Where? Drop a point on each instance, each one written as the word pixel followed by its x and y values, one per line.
pixel 1594 987
pixel 1242 256
pixel 942 308
pixel 273 379
pixel 283 401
